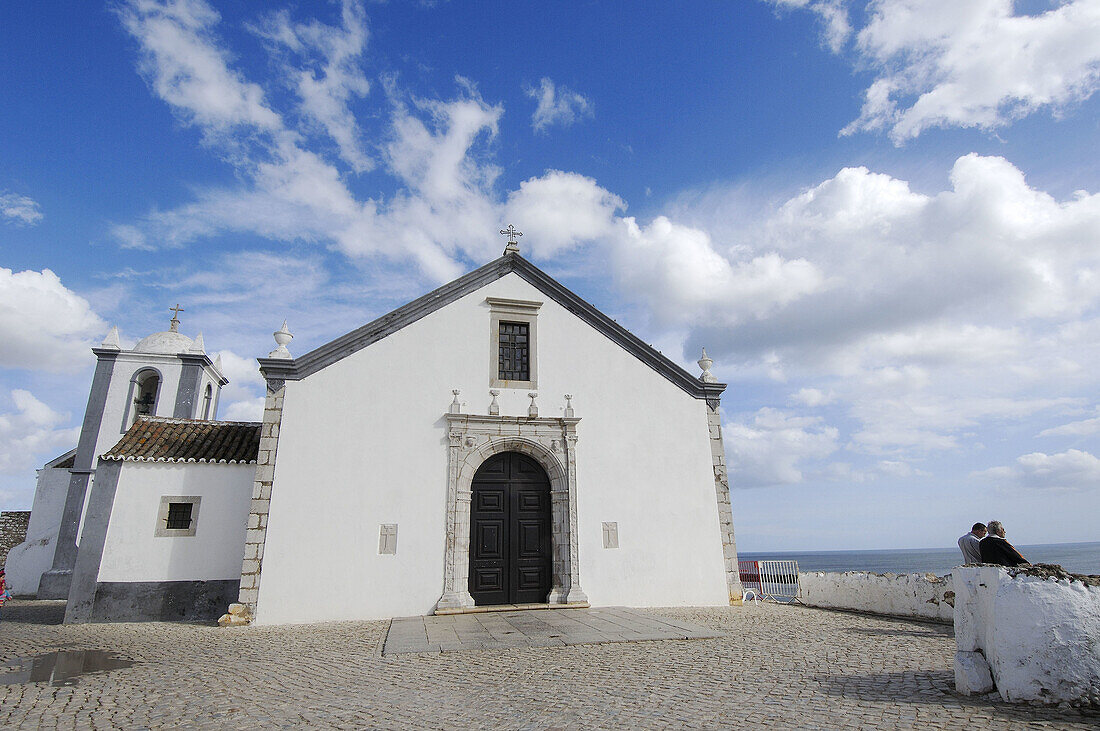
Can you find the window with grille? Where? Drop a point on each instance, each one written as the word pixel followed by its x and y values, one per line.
pixel 513 343
pixel 515 352
pixel 179 516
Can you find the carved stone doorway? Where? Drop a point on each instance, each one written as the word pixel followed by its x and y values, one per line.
pixel 549 442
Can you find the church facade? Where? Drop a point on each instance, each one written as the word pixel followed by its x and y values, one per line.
pixel 498 441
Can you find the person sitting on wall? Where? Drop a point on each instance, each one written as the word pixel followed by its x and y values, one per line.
pixel 995 549
pixel 969 544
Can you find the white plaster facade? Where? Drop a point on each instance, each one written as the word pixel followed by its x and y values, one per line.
pixel 27 562
pixel 133 553
pixel 364 441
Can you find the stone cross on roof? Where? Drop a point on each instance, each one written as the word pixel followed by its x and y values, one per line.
pixel 511 233
pixel 176 317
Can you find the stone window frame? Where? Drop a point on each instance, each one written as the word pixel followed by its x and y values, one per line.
pixel 503 309
pixel 551 442
pixel 162 530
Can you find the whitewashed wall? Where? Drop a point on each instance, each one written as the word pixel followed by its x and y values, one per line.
pixel 29 560
pixel 904 595
pixel 1039 636
pixel 364 442
pixel 132 552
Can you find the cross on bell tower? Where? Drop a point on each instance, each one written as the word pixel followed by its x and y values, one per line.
pixel 511 233
pixel 175 326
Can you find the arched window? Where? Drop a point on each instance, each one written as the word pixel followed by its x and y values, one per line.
pixel 145 393
pixel 207 399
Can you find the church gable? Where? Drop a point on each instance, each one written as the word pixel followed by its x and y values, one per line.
pixel 342 347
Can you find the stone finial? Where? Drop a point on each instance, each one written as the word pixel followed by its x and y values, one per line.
pixel 111 341
pixel 533 409
pixel 568 406
pixel 456 407
pixel 218 362
pixel 198 346
pixel 282 337
pixel 705 363
pixel 494 407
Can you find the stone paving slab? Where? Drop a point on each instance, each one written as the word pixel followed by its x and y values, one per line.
pixel 774 667
pixel 534 628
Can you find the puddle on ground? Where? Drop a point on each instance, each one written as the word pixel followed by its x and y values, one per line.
pixel 60 668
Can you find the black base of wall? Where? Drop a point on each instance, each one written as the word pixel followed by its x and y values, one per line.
pixel 55 584
pixel 163 601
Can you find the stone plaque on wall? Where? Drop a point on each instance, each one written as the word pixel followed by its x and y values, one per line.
pixel 610 535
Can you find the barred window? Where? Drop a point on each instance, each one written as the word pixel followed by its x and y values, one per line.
pixel 515 352
pixel 179 516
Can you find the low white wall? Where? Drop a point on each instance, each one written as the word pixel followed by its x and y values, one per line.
pixel 1037 627
pixel 905 595
pixel 33 557
pixel 133 553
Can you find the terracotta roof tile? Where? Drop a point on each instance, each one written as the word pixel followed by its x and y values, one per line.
pixel 158 439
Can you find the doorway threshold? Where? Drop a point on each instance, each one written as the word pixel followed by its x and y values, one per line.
pixel 510 608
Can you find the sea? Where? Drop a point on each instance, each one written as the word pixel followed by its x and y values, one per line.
pixel 1077 558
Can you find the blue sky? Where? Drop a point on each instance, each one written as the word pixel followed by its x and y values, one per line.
pixel 882 219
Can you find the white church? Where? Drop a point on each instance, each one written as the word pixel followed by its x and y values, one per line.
pixel 496 443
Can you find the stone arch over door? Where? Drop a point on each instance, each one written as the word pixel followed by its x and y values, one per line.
pixel 549 441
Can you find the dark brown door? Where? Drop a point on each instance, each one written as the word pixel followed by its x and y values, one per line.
pixel 510 546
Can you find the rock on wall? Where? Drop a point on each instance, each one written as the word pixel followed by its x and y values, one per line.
pixel 903 595
pixel 13 531
pixel 1036 628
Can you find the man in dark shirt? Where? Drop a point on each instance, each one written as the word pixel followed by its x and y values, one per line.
pixel 995 549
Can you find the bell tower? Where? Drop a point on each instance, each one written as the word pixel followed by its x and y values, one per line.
pixel 165 374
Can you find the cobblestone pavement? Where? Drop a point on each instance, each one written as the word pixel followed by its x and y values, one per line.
pixel 543 628
pixel 779 666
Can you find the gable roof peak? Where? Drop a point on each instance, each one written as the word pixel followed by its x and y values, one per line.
pixel 293 369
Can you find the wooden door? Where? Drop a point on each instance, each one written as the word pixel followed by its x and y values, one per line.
pixel 510 542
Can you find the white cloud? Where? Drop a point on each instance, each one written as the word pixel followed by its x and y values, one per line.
pixel 833 15
pixel 683 278
pixel 557 105
pixel 443 209
pixel 32 433
pixel 1069 470
pixel 943 63
pixel 895 468
pixel 812 397
pixel 1082 428
pixel 562 210
pixel 917 420
pixel 768 448
pixel 19 209
pixel 249 410
pixel 889 273
pixel 44 325
pixel 331 78
pixel 183 64
pixel 929 317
